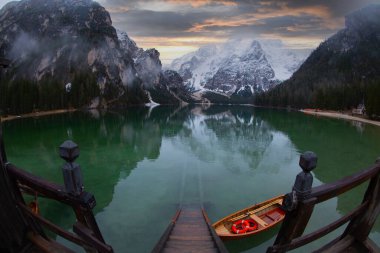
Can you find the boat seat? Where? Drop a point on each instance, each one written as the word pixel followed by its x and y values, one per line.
pixel 258 220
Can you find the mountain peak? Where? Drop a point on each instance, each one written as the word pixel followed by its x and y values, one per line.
pixel 238 64
pixel 365 18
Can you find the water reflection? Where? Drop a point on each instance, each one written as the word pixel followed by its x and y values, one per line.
pixel 342 149
pixel 141 163
pixel 234 132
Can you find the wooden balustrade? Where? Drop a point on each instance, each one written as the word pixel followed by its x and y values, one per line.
pixel 13 222
pixel 300 203
pixel 17 181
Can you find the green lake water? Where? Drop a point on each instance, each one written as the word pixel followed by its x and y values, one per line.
pixel 141 163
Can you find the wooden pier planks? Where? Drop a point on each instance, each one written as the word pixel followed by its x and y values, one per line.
pixel 190 233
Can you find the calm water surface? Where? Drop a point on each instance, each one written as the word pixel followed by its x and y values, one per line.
pixel 142 163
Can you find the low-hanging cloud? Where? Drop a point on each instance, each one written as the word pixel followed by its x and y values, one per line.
pixel 23 45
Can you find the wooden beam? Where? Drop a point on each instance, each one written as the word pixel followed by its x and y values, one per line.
pixel 331 190
pixel 161 243
pixel 88 235
pixel 371 245
pixel 82 204
pixel 47 246
pixel 46 188
pixel 54 228
pixel 218 242
pixel 337 245
pixel 360 227
pixel 258 220
pixel 300 241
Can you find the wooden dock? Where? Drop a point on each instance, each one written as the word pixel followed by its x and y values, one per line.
pixel 189 232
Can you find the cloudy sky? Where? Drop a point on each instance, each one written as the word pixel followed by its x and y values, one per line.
pixel 176 27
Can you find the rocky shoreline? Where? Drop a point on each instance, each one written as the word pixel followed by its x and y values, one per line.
pixel 35 114
pixel 338 115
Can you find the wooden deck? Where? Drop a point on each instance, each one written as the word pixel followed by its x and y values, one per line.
pixel 190 232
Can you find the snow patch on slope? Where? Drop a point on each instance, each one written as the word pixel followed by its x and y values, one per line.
pixel 284 61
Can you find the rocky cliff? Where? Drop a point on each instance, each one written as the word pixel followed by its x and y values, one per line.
pixel 56 41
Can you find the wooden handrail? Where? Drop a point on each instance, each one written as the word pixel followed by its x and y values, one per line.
pixel 218 242
pixel 89 236
pixel 72 195
pixel 331 190
pixel 48 189
pixel 161 243
pixel 299 205
pixel 54 228
pixel 81 204
pixel 47 246
pixel 303 240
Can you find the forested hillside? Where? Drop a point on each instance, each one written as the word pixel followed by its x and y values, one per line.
pixel 343 72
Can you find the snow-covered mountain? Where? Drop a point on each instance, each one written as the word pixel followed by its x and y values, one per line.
pixel 239 67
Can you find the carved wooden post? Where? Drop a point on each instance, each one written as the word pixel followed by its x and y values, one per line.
pixel 72 176
pixel 361 226
pixel 296 204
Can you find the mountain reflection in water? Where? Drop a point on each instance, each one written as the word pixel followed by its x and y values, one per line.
pixel 141 163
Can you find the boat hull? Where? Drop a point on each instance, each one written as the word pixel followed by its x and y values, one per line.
pixel 266 214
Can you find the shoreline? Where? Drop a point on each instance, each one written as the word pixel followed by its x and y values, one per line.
pixel 36 114
pixel 338 115
pixel 330 114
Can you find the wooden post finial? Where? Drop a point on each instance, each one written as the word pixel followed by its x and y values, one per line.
pixel 303 183
pixel 69 151
pixel 304 180
pixel 308 161
pixel 72 175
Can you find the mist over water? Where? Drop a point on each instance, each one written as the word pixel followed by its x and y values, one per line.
pixel 142 163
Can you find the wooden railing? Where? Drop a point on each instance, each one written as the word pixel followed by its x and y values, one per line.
pixel 218 242
pixel 165 236
pixel 86 231
pixel 300 203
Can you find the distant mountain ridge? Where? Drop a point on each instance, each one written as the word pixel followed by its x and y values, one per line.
pixel 67 53
pixel 238 68
pixel 55 43
pixel 343 72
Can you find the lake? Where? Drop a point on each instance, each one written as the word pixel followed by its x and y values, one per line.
pixel 142 163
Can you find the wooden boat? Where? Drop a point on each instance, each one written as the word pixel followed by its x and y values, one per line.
pixel 251 220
